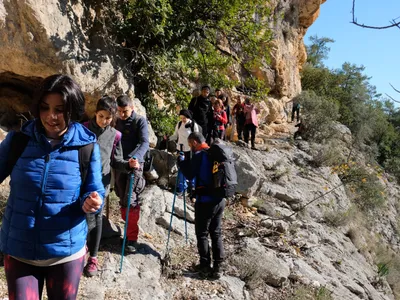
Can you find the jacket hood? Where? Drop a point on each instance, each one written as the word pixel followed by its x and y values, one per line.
pixel 76 135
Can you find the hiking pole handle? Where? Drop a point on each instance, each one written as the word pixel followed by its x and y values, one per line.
pixel 131 181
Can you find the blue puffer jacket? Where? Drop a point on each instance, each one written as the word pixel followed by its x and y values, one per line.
pixel 44 217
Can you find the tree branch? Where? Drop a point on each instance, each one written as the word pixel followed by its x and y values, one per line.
pixel 354 21
pixel 391 98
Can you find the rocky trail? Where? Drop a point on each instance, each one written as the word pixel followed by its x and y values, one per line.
pixel 277 247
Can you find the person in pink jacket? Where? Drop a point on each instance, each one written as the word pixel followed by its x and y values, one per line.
pixel 251 122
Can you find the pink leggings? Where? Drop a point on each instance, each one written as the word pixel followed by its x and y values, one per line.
pixel 25 282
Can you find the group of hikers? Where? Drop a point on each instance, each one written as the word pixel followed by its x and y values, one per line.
pixel 60 174
pixel 212 114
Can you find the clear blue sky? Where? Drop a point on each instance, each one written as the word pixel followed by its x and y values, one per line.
pixel 377 50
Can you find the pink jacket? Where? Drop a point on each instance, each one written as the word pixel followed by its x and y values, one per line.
pixel 251 114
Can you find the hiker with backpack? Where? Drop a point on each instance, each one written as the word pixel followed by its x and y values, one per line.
pixel 135 144
pixel 182 130
pixel 215 176
pixel 201 109
pixel 109 141
pixel 55 168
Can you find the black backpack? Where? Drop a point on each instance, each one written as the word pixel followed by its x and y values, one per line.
pixel 19 141
pixel 224 177
pixel 191 125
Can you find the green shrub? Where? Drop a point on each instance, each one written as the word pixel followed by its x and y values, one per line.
pixel 328 155
pixel 318 115
pixel 364 188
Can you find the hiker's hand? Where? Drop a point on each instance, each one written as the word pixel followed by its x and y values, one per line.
pixel 134 163
pixel 181 156
pixel 92 203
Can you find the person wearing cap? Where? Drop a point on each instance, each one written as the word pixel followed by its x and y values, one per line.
pixel 182 130
pixel 201 110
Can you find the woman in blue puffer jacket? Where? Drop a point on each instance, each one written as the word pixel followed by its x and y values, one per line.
pixel 44 227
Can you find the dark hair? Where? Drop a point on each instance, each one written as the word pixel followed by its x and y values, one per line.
pixel 71 95
pixel 206 86
pixel 107 103
pixel 124 100
pixel 197 136
pixel 217 90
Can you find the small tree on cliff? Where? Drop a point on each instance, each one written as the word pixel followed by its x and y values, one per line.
pixel 169 43
pixel 317 50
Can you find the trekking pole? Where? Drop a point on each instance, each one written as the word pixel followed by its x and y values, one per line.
pixel 131 180
pixel 172 214
pixel 184 200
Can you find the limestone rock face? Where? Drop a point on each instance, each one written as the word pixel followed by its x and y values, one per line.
pixel 291 20
pixel 40 38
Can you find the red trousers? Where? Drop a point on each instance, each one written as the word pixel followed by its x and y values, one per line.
pixel 132 231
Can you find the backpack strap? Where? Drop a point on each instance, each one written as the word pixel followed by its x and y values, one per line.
pixel 117 139
pixel 19 141
pixel 85 154
pixel 179 124
pixel 192 126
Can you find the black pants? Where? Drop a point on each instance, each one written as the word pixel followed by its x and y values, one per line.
pixel 247 129
pixel 296 110
pixel 239 128
pixel 95 225
pixel 208 221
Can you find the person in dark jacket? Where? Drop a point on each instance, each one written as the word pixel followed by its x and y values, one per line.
pixel 109 141
pixel 208 208
pixel 135 144
pixel 201 110
pixel 43 233
pixel 296 110
pixel 240 118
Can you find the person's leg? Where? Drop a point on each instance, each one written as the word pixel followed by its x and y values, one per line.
pixel 253 129
pixel 132 231
pixel 293 111
pixel 95 234
pixel 239 128
pixel 93 243
pixel 202 223
pixel 298 114
pixel 62 281
pixel 24 281
pixel 246 133
pixel 216 233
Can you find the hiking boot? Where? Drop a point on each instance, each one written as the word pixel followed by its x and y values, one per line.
pixel 91 268
pixel 216 272
pixel 131 246
pixel 203 270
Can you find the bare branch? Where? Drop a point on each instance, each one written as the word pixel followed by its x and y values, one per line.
pixel 394 88
pixel 391 98
pixel 354 21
